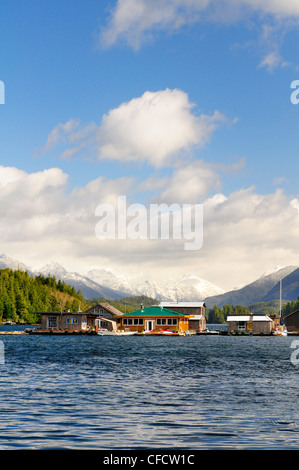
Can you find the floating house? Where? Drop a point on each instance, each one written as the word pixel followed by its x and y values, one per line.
pixel 106 316
pixel 102 315
pixel 155 319
pixel 194 310
pixel 250 324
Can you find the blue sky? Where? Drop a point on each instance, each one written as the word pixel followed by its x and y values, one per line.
pixel 69 66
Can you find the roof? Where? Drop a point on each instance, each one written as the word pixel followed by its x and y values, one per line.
pixel 248 318
pixel 182 304
pixel 292 313
pixel 104 305
pixel 154 312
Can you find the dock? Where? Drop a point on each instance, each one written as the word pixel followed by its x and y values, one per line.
pixel 13 332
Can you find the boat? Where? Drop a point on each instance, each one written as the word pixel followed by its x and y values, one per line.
pixel 280 331
pixel 104 332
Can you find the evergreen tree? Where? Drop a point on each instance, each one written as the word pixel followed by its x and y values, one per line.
pixel 21 295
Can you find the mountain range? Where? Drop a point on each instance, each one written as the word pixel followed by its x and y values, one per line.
pixel 112 286
pixel 264 289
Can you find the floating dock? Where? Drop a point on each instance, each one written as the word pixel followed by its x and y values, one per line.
pixel 13 332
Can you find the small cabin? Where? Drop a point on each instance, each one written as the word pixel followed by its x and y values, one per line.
pixel 250 324
pixel 194 310
pixel 64 321
pixel 154 319
pixel 102 315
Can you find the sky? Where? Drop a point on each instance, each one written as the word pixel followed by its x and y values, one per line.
pixel 169 101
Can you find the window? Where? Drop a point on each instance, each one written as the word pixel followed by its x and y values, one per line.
pixel 127 321
pixel 138 321
pixel 71 321
pixel 52 321
pixel 167 321
pixel 241 325
pixel 161 321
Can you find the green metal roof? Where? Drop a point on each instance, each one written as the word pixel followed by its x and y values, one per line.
pixel 154 311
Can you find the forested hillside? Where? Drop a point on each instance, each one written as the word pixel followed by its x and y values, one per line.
pixel 290 307
pixel 22 295
pixel 218 315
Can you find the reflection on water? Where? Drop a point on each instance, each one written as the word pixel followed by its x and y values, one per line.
pixel 201 392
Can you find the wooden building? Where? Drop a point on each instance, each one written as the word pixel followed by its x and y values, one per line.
pixel 102 315
pixel 250 324
pixel 291 322
pixel 65 321
pixel 155 318
pixel 196 311
pixel 107 316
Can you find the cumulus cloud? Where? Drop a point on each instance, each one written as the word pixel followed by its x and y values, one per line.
pixel 156 128
pixel 40 217
pixel 244 231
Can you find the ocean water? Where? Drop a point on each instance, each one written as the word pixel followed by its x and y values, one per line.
pixel 97 392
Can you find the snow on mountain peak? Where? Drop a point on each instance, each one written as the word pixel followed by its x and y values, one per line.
pixel 186 287
pixel 53 269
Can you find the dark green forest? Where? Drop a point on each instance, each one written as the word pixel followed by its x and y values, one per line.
pixel 22 295
pixel 290 307
pixel 218 315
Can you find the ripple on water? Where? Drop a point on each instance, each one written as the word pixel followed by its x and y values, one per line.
pixel 185 392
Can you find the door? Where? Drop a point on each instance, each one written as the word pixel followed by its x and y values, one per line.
pixel 149 325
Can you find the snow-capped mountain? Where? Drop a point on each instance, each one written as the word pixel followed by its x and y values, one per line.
pixel 105 277
pixel 257 291
pixel 88 287
pixel 114 285
pixel 186 287
pixel 14 264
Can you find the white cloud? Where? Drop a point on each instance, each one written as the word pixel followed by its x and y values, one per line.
pixel 190 184
pixel 133 20
pixel 136 21
pixel 157 128
pixel 59 134
pixel 272 61
pixel 245 233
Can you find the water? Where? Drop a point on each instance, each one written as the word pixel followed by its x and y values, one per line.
pixel 97 392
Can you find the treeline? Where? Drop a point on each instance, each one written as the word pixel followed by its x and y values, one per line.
pixel 290 307
pixel 21 295
pixel 219 315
